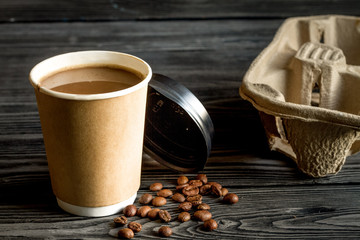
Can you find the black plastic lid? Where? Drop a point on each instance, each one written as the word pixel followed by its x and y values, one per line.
pixel 178 129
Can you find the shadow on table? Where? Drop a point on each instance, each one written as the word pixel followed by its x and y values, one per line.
pixel 238 128
pixel 31 192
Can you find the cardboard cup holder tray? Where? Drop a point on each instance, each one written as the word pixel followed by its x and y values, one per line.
pixel 306 86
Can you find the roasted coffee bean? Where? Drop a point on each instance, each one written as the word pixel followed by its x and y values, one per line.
pixel 184 217
pixel 130 210
pixel 165 231
pixel 224 191
pixel 210 225
pixel 145 198
pixel 126 233
pixel 143 211
pixel 159 201
pixel 190 190
pixel 120 221
pixel 180 187
pixel 197 197
pixel 196 203
pixel 205 189
pixel 182 180
pixel 185 206
pixel 156 187
pixel 153 213
pixel 202 215
pixel 178 197
pixel 164 216
pixel 195 200
pixel 231 198
pixel 196 183
pixel 216 190
pixel 202 177
pixel 135 227
pixel 203 206
pixel 215 184
pixel 164 193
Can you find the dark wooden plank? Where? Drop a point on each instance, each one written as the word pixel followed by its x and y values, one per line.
pixel 271 213
pixel 199 53
pixel 100 10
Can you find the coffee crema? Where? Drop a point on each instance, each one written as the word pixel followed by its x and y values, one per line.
pixel 92 80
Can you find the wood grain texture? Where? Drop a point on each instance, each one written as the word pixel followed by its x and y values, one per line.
pixel 207 46
pixel 112 10
pixel 299 213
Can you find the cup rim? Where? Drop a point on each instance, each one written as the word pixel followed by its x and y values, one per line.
pixel 37 74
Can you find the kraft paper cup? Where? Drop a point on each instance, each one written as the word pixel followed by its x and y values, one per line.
pixel 93 142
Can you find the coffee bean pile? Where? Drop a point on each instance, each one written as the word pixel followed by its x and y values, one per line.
pixel 189 195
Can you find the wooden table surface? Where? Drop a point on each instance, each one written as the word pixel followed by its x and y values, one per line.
pixel 206 45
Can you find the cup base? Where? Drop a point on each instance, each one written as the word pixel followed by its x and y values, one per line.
pixel 95 211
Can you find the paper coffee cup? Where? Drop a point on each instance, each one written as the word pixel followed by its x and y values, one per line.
pixel 93 142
